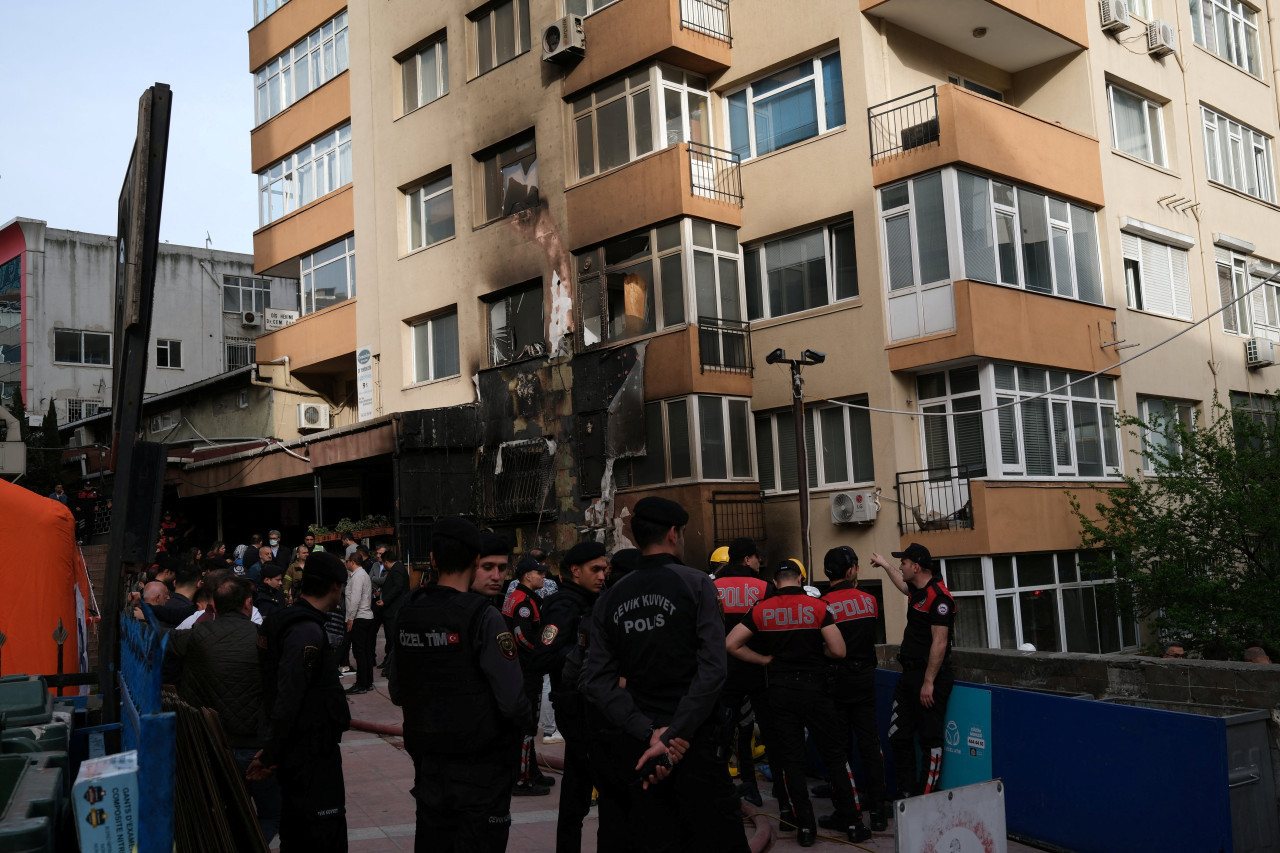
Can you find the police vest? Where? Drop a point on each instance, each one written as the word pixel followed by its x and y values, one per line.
pixel 856 613
pixel 445 695
pixel 737 596
pixel 791 625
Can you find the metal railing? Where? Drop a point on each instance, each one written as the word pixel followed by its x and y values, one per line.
pixel 907 122
pixel 709 17
pixel 737 513
pixel 715 173
pixel 513 479
pixel 724 345
pixel 934 499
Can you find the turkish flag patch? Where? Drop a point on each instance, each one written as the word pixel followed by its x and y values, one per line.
pixel 453 639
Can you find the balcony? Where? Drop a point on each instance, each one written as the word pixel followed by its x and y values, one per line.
pixel 686 179
pixel 945 125
pixel 283 28
pixel 277 246
pixel 934 499
pixel 694 360
pixel 1009 324
pixel 1018 34
pixel 692 34
pixel 724 345
pixel 296 125
pixel 319 343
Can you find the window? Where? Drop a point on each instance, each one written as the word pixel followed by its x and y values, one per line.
pixel 305 175
pixel 515 324
pixel 1141 8
pixel 425 75
pixel 430 212
pixel 1070 433
pixel 1057 602
pixel 241 293
pixel 79 408
pixel 301 69
pixel 699 437
pixel 1137 126
pixel 241 352
pixel 586 7
pixel 837 442
pixel 1233 283
pixel 435 348
pixel 1156 277
pixel 1164 419
pixel 329 275
pixel 952 434
pixel 1228 28
pixel 502 33
pixel 72 346
pixel 806 270
pixel 966 83
pixel 168 353
pixel 10 353
pixel 509 178
pixel 1238 156
pixel 1270 304
pixel 263 8
pixel 787 107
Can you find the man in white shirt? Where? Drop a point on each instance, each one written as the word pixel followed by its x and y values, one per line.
pixel 360 623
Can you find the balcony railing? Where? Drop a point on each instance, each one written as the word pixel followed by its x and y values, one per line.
pixel 907 122
pixel 715 173
pixel 934 499
pixel 724 345
pixel 709 17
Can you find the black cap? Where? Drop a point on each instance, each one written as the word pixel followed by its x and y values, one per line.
pixel 271 570
pixel 789 566
pixel 528 564
pixel 325 565
pixel 623 563
pixel 917 553
pixel 459 530
pixel 839 561
pixel 661 511
pixel 494 544
pixel 743 547
pixel 583 553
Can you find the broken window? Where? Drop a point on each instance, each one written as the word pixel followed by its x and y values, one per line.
pixel 510 175
pixel 632 286
pixel 515 324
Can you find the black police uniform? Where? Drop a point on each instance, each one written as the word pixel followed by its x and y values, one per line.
pixel 930 605
pixel 790 626
pixel 523 612
pixel 561 615
pixel 745 697
pixel 852 681
pixel 307 713
pixel 660 629
pixel 454 672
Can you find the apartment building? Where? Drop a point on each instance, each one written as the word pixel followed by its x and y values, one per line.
pixel 572 270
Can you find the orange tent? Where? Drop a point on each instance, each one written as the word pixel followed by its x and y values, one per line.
pixel 47 585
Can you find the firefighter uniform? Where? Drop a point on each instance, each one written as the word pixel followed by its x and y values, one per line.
pixel 523 612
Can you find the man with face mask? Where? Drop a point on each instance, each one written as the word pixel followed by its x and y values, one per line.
pixel 279 554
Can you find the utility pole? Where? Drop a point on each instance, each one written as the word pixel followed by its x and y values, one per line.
pixel 807 358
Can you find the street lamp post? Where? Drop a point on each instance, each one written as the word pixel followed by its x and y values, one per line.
pixel 807 357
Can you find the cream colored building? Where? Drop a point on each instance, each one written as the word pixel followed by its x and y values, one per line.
pixel 963 203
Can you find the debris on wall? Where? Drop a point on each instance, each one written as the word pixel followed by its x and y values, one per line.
pixel 550 443
pixel 539 226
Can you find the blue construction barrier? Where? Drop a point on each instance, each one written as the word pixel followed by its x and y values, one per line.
pixel 148 729
pixel 1096 777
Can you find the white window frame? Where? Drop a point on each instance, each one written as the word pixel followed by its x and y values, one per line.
pixel 79 408
pixel 1237 156
pixel 766 429
pixel 421 201
pixel 1141 8
pixel 585 8
pixel 953 403
pixel 166 348
pixel 1136 252
pixel 82 333
pixel 757 255
pixel 521 33
pixel 301 69
pixel 492 166
pixel 975 87
pixel 308 174
pixel 429 324
pixel 248 345
pixel 306 294
pixel 1153 130
pixel 1184 413
pixel 257 291
pixel 1240 45
pixel 263 9
pixel 693 412
pixel 436 54
pixel 750 150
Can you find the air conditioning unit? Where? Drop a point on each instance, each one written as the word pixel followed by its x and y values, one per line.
pixel 1115 15
pixel 853 507
pixel 1161 39
pixel 313 416
pixel 251 320
pixel 564 41
pixel 1259 352
pixel 80 437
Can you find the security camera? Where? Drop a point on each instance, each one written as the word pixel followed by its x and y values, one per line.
pixel 776 356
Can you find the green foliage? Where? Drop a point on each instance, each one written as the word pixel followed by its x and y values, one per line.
pixel 1197 539
pixel 318 530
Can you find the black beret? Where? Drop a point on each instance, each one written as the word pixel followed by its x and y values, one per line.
pixel 494 543
pixel 661 511
pixel 583 553
pixel 325 565
pixel 528 564
pixel 272 570
pixel 459 530
pixel 623 563
pixel 743 547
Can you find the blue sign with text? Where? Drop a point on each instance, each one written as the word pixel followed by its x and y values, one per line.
pixel 966 756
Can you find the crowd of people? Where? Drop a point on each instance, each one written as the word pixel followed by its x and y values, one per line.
pixel 658 677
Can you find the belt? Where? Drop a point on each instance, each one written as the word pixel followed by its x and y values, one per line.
pixel 912 663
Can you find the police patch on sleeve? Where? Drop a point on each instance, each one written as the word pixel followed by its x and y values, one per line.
pixel 507 645
pixel 549 634
pixel 310 657
pixel 943 609
pixel 523 611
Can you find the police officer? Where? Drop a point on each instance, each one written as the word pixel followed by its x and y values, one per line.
pixel 659 628
pixel 307 713
pixel 801 634
pixel 583 572
pixel 920 700
pixel 455 674
pixel 852 681
pixel 745 699
pixel 523 611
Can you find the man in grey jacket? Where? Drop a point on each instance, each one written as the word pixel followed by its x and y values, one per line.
pixel 360 624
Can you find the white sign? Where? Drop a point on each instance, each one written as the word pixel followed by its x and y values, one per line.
pixel 277 318
pixel 969 819
pixel 364 382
